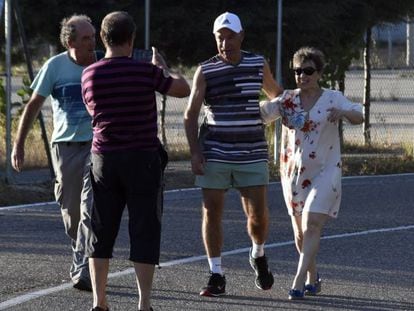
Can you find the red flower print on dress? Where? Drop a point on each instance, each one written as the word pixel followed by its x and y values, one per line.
pixel 306 183
pixel 284 157
pixel 297 142
pixel 289 104
pixel 293 115
pixel 293 204
pixel 309 126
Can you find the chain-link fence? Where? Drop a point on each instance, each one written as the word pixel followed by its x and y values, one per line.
pixel 170 124
pixel 392 106
pixel 392 88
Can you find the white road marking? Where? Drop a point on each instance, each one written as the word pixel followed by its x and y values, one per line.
pixel 44 292
pixel 32 205
pixel 33 295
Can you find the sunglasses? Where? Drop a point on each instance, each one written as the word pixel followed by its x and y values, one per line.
pixel 307 71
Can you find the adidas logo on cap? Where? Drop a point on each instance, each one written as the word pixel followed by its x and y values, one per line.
pixel 227 20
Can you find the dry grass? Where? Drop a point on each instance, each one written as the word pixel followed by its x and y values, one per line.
pixel 35 152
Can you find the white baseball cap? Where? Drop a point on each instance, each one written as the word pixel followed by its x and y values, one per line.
pixel 227 20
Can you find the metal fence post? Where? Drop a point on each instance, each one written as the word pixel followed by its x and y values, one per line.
pixel 8 35
pixel 410 43
pixel 31 76
pixel 278 125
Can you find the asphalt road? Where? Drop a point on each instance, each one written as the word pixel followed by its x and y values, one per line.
pixel 365 261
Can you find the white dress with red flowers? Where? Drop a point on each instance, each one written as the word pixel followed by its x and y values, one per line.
pixel 310 156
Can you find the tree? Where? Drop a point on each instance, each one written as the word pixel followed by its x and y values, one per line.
pixel 367 87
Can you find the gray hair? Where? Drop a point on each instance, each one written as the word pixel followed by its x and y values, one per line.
pixel 68 28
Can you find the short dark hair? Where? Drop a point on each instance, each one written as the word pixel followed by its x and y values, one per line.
pixel 307 53
pixel 117 28
pixel 68 28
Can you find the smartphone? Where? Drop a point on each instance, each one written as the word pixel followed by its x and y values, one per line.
pixel 143 55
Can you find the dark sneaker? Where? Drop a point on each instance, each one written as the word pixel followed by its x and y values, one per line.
pixel 264 277
pixel 216 286
pixel 83 284
pixel 99 309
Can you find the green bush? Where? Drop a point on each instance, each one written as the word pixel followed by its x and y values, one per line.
pixel 24 93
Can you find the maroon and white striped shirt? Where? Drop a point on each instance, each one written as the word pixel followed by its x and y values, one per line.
pixel 119 94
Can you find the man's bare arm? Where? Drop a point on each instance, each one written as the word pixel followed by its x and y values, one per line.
pixel 26 121
pixel 179 86
pixel 270 87
pixel 191 116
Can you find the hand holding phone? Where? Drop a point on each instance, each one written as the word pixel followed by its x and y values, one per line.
pixel 158 60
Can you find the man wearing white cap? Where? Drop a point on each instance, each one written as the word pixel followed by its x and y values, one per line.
pixel 230 150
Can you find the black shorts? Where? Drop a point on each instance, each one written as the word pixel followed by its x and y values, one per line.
pixel 132 179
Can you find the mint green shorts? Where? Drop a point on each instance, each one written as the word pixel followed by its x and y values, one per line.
pixel 229 175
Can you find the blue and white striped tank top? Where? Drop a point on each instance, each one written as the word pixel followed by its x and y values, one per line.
pixel 233 131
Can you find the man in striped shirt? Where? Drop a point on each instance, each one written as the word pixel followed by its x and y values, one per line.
pixel 230 149
pixel 119 93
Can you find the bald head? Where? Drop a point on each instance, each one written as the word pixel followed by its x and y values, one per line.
pixel 117 28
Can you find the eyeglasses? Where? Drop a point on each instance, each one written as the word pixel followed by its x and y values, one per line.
pixel 307 71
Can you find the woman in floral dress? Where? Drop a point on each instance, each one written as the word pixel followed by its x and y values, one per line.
pixel 310 159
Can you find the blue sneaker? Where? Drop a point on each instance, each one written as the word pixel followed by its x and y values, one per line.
pixel 313 289
pixel 296 294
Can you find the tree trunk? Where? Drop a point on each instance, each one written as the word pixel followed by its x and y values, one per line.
pixel 367 87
